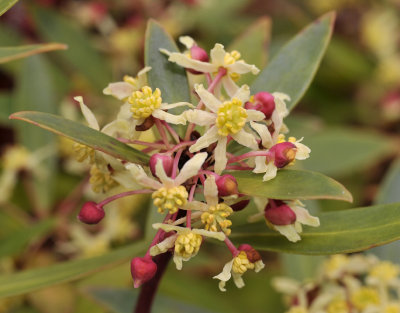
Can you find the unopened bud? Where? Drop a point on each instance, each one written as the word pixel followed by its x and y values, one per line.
pixel 252 254
pixel 239 206
pixel 91 213
pixel 142 270
pixel 227 185
pixel 279 213
pixel 199 54
pixel 284 152
pixel 167 162
pixel 263 102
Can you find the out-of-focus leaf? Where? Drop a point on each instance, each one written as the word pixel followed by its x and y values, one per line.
pixel 35 279
pixel 292 184
pixel 6 107
pixel 5 5
pixel 253 45
pixel 340 232
pixel 13 53
pixel 82 134
pixel 13 243
pixel 300 267
pixel 342 151
pixel 122 300
pixel 293 68
pixel 81 55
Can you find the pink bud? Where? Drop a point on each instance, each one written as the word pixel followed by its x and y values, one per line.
pixel 167 162
pixel 263 102
pixel 227 185
pixel 199 54
pixel 279 213
pixel 91 213
pixel 284 153
pixel 239 206
pixel 251 253
pixel 142 270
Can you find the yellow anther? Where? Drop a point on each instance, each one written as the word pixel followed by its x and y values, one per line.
pixel 241 263
pixel 216 217
pixel 281 138
pixel 231 117
pixel 364 297
pixel 15 158
pixel 170 199
pixel 187 244
pixel 292 139
pixel 235 76
pixel 384 271
pixel 130 80
pixel 144 102
pixel 101 181
pixel 83 152
pixel 392 308
pixel 338 306
pixel 231 57
pixel 335 263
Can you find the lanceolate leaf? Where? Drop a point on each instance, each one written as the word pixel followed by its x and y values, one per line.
pixel 5 5
pixel 340 232
pixel 13 53
pixel 82 134
pixel 292 184
pixel 170 78
pixel 31 280
pixel 293 68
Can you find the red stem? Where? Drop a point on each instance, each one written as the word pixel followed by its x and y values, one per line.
pixel 162 133
pixel 123 194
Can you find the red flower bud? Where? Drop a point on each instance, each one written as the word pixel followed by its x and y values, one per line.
pixel 252 254
pixel 227 185
pixel 199 54
pixel 167 162
pixel 279 213
pixel 91 213
pixel 284 153
pixel 142 270
pixel 239 206
pixel 263 102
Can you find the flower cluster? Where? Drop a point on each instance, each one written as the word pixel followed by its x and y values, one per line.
pixel 346 284
pixel 187 173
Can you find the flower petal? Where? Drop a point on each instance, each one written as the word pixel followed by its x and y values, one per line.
pixel 271 171
pixel 242 67
pixel 304 217
pixel 218 55
pixel 219 235
pixel 187 41
pixel 289 232
pixel 261 165
pixel 125 111
pixel 186 62
pixel 178 260
pixel 263 132
pixel 119 90
pixel 141 177
pixel 166 106
pixel 88 114
pixel 246 139
pixel 200 117
pixel 195 205
pixel 166 181
pixel 169 118
pixel 207 139
pixel 254 115
pixel 225 275
pixel 229 85
pixel 211 191
pixel 243 93
pixel 220 155
pixel 210 101
pixel 163 246
pixel 191 168
pixel 142 77
pixel 238 280
pixel 303 152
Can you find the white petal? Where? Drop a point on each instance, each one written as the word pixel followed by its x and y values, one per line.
pixel 8 179
pixel 211 191
pixel 119 90
pixel 166 106
pixel 88 114
pixel 178 261
pixel 187 41
pixel 303 152
pixel 163 246
pixel 229 85
pixel 195 205
pixel 125 179
pixel 199 117
pixel 219 235
pixel 207 139
pixel 263 132
pixel 142 77
pixel 258 266
pixel 271 171
pixel 191 168
pixel 304 217
pixel 261 165
pixel 243 93
pixel 220 155
pixel 260 203
pixel 186 62
pixel 289 232
pixel 141 177
pixel 246 139
pixel 166 181
pixel 169 118
pixel 218 55
pixel 280 105
pixel 225 275
pixel 238 280
pixel 277 119
pixel 254 115
pixel 168 227
pixel 242 67
pixel 286 285
pixel 210 101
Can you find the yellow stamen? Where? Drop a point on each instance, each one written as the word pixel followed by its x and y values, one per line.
pixel 364 297
pixel 170 199
pixel 241 263
pixel 338 306
pixel 101 181
pixel 385 271
pixel 83 152
pixel 216 217
pixel 145 102
pixel 188 244
pixel 231 117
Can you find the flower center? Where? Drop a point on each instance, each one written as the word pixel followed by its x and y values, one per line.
pixel 170 199
pixel 231 117
pixel 385 271
pixel 392 308
pixel 216 216
pixel 364 297
pixel 145 102
pixel 231 57
pixel 83 152
pixel 101 181
pixel 338 306
pixel 241 263
pixel 186 245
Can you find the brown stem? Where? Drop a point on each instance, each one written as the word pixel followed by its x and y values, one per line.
pixel 149 289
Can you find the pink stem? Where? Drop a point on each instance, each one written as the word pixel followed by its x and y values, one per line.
pixel 205 172
pixel 124 194
pixel 176 163
pixel 189 212
pixel 231 247
pixel 180 145
pixel 249 155
pixel 238 168
pixel 171 131
pixel 209 78
pixel 162 133
pixel 157 236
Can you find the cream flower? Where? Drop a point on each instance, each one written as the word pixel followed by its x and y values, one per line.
pixel 169 194
pixel 226 119
pixel 219 59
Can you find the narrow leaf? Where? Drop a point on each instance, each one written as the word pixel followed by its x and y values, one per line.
pixel 340 232
pixel 31 280
pixel 293 68
pixel 13 53
pixel 292 184
pixel 5 5
pixel 82 134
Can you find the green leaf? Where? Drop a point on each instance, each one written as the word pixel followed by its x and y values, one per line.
pixel 13 53
pixel 170 78
pixel 292 184
pixel 81 55
pixel 82 134
pixel 340 232
pixel 293 68
pixel 5 5
pixel 31 280
pixel 15 242
pixel 343 151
